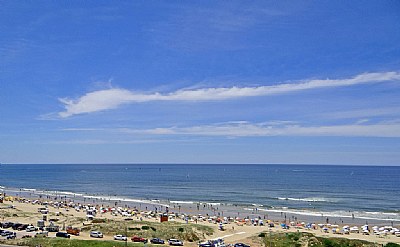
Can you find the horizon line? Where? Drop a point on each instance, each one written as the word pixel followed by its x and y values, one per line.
pixel 180 163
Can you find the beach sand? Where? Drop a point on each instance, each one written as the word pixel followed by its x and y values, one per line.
pixel 24 212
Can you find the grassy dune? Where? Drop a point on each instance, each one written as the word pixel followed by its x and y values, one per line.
pixel 308 239
pixel 165 230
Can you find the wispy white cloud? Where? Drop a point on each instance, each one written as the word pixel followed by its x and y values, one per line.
pixel 83 129
pixel 245 129
pixel 112 98
pixel 362 128
pixel 107 141
pixel 364 113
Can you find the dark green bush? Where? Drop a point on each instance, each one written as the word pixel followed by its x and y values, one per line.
pixel 392 245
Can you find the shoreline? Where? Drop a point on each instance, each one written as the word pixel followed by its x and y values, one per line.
pixel 236 230
pixel 215 208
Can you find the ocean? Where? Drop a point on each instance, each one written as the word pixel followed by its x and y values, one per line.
pixel 362 192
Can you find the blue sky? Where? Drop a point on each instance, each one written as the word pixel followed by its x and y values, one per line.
pixel 304 82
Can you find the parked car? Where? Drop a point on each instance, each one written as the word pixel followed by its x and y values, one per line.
pixel 241 245
pixel 62 235
pixel 157 241
pixel 12 236
pixel 7 225
pixel 120 237
pixel 175 242
pixel 52 227
pixel 22 227
pixel 16 225
pixel 6 233
pixel 73 231
pixel 31 228
pixel 206 245
pixel 138 239
pixel 95 234
pixel 42 234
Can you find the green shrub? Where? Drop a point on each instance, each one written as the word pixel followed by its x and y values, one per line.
pixel 392 245
pixel 99 221
pixel 328 243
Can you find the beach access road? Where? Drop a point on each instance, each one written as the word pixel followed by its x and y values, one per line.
pixel 4 245
pixel 20 234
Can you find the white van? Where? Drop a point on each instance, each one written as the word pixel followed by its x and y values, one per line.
pixel 94 234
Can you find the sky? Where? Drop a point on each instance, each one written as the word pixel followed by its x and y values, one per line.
pixel 269 82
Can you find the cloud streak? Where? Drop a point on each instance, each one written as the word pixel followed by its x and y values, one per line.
pixel 360 113
pixel 114 97
pixel 245 129
pixel 266 129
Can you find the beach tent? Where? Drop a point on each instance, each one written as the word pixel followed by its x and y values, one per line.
pixel 354 229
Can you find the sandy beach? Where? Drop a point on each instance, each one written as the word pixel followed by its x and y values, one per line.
pixel 235 230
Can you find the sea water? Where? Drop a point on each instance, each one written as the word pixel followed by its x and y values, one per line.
pixel 366 192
